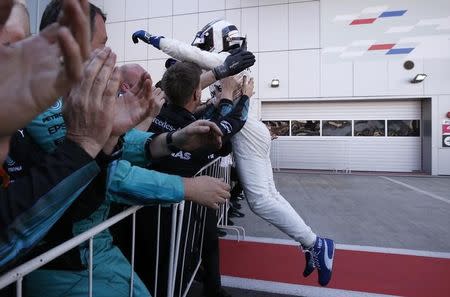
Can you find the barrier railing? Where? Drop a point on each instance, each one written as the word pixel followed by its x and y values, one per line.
pixel 17 274
pixel 184 240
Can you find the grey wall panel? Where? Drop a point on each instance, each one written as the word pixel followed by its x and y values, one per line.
pixel 304 25
pixel 336 79
pixel 273 28
pixel 438 80
pixel 357 154
pixel 304 73
pixel 273 65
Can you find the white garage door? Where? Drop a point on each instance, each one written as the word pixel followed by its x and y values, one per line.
pixel 346 135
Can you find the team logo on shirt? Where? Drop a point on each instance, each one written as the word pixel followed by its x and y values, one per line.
pixel 9 161
pixel 57 106
pixel 182 155
pixel 227 126
pixel 12 166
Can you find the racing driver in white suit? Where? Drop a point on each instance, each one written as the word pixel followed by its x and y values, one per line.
pixel 251 146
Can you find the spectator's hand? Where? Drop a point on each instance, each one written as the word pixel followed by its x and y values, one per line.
pixel 147 38
pixel 134 106
pixel 89 109
pixel 158 102
pixel 205 190
pixel 199 134
pixel 32 70
pixel 159 98
pixel 229 85
pixel 248 86
pixel 236 62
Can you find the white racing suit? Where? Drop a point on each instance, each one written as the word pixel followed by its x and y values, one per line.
pixel 251 148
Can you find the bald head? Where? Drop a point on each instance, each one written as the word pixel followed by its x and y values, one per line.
pixel 131 73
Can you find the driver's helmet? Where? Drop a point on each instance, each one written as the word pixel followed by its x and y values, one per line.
pixel 219 36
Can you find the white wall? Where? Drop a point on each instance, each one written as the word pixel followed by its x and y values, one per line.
pixel 274 29
pixel 305 44
pixel 308 45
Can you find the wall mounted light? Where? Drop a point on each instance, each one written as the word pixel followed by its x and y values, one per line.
pixel 418 78
pixel 408 65
pixel 275 83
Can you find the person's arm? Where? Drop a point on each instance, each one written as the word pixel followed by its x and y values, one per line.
pixel 140 147
pixel 222 64
pixel 17 27
pixel 231 120
pixel 135 185
pixel 31 205
pixel 206 79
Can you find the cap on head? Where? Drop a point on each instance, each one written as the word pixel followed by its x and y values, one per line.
pixel 219 36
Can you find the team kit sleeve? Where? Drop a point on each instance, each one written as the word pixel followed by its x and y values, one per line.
pixel 129 183
pixel 232 120
pixel 31 205
pixel 135 147
pixel 132 185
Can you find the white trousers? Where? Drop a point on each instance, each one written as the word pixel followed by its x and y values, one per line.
pixel 251 147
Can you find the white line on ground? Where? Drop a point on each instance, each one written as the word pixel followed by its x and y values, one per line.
pixel 431 195
pixel 290 289
pixel 351 247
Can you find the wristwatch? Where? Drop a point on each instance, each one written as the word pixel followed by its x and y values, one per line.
pixel 170 145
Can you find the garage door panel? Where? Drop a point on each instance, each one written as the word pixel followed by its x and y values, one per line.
pixel 357 153
pixel 400 155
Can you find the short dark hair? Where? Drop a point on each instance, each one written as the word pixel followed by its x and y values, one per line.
pixel 53 9
pixel 180 81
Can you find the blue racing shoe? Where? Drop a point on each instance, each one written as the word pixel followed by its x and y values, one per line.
pixel 323 255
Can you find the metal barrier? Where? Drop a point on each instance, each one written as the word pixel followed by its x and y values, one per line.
pixel 220 168
pixel 224 169
pixel 195 228
pixel 17 274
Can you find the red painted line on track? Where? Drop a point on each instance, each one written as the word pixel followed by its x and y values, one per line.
pixel 362 21
pixel 377 47
pixel 380 273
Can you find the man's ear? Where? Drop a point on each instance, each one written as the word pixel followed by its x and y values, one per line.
pixel 197 95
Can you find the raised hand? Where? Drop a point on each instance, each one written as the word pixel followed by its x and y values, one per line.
pixel 158 99
pixel 37 70
pixel 248 86
pixel 134 106
pixel 90 107
pixel 146 37
pixel 206 191
pixel 229 85
pixel 236 62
